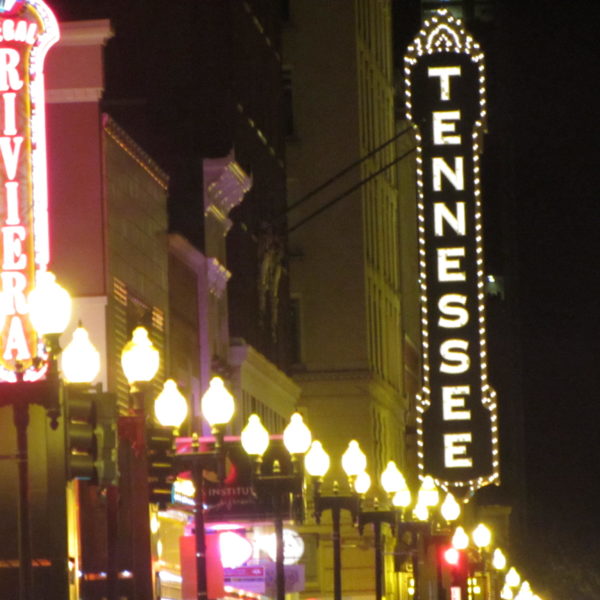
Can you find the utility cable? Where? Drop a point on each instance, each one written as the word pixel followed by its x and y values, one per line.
pixel 349 191
pixel 341 173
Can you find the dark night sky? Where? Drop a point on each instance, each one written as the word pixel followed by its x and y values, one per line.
pixel 550 91
pixel 556 168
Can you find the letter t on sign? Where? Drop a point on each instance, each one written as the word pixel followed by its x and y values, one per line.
pixel 444 73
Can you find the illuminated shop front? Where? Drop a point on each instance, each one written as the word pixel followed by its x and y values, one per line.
pixel 241 554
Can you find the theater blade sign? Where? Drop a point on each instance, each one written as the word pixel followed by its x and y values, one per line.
pixel 445 102
pixel 27 31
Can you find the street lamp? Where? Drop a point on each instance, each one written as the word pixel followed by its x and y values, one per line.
pixel 217 408
pixel 414 525
pixel 476 549
pixel 482 537
pixel 354 463
pixel 170 406
pixel 80 361
pixel 498 563
pixel 140 361
pixel 49 312
pixel 296 439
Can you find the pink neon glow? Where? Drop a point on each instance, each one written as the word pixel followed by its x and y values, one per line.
pixel 224 526
pixel 36 26
pixel 48 37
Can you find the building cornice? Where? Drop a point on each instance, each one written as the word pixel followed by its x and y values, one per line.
pixel 225 184
pixel 85 33
pixel 69 95
pixel 260 378
pixel 128 145
pixel 217 276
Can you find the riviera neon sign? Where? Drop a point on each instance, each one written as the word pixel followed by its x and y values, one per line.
pixel 445 101
pixel 27 31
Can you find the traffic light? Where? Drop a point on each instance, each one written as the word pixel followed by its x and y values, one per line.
pixel 159 443
pixel 107 458
pixel 452 557
pixel 90 435
pixel 454 572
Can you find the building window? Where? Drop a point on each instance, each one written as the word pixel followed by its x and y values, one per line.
pixel 284 9
pixel 288 102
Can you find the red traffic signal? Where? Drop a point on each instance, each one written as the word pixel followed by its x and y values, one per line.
pixel 451 556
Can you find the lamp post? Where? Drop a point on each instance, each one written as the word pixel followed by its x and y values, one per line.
pixel 140 361
pixel 498 566
pixel 410 529
pixel 354 463
pixel 49 313
pixel 255 441
pixel 482 538
pixel 476 549
pixel 217 408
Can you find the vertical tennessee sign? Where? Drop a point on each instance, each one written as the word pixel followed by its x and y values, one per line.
pixel 445 101
pixel 27 30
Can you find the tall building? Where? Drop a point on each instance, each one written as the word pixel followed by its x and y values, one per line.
pixel 199 87
pixel 353 265
pixel 348 266
pixel 213 304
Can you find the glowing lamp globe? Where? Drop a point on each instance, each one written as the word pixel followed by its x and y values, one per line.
pixel 140 359
pixel 316 460
pixel 391 478
pixel 80 361
pixel 421 512
pixel 255 438
pixel 297 436
pixel 402 498
pixel 170 406
pixel 525 592
pixel 217 403
pixel 482 536
pixel 460 539
pixel 498 560
pixel 362 483
pixel 354 460
pixel 450 508
pixel 513 579
pixel 428 493
pixel 506 592
pixel 49 305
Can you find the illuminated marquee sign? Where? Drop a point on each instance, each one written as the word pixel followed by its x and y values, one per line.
pixel 27 31
pixel 445 101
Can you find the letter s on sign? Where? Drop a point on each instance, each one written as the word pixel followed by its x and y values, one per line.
pixel 455 357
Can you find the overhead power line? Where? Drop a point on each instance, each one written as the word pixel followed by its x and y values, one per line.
pixel 341 173
pixel 349 190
